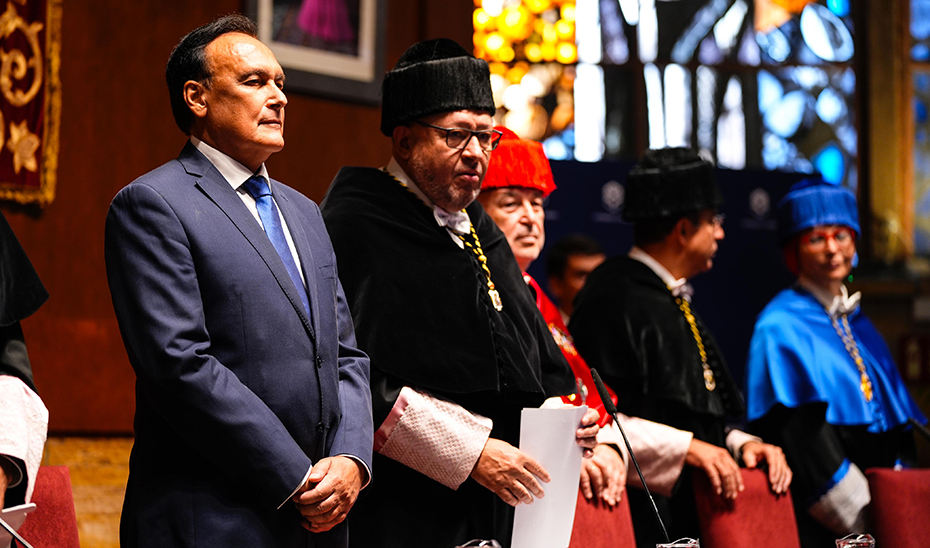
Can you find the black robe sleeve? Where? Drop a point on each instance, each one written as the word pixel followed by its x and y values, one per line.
pixel 811 445
pixel 13 357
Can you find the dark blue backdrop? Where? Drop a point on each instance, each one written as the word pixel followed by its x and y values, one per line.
pixel 748 269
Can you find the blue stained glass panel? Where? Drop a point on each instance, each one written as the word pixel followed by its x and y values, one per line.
pixel 826 34
pixel 839 8
pixel 787 115
pixel 921 158
pixel 920 111
pixel 920 30
pixel 830 106
pixel 920 52
pixel 831 164
pixel 770 90
pixel 920 19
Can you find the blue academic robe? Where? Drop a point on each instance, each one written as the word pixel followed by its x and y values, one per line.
pixel 803 393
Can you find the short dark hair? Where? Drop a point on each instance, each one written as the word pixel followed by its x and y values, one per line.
pixel 652 231
pixel 565 248
pixel 188 61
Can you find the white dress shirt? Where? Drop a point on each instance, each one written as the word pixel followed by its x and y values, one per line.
pixel 236 175
pixel 835 305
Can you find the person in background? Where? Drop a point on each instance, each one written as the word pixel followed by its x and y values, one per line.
pixel 253 411
pixel 820 381
pixel 568 263
pixel 634 323
pixel 519 180
pixel 23 416
pixel 457 345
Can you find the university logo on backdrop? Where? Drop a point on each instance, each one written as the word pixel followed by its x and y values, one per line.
pixel 612 196
pixel 30 99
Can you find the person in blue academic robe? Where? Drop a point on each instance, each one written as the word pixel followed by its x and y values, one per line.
pixel 820 380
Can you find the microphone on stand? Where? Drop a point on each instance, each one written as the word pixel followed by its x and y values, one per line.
pixel 612 409
pixel 15 535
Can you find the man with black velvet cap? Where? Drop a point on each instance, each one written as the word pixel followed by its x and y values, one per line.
pixel 457 345
pixel 633 322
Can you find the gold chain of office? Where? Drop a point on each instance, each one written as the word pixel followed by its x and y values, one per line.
pixel 865 384
pixel 476 248
pixel 710 383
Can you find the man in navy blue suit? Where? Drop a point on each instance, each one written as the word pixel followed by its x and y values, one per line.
pixel 253 413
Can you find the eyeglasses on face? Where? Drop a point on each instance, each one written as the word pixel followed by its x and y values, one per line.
pixel 458 138
pixel 816 240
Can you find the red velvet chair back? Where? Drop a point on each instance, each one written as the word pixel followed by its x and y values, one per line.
pixel 756 518
pixel 597 526
pixel 53 523
pixel 900 507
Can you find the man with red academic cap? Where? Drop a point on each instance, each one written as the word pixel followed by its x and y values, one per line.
pixel 518 180
pixel 457 346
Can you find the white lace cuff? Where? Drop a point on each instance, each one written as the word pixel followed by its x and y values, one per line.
pixel 842 508
pixel 435 437
pixel 23 426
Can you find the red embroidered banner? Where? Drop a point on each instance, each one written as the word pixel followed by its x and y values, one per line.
pixel 30 99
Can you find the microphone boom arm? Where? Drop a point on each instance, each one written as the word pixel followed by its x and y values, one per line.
pixel 612 409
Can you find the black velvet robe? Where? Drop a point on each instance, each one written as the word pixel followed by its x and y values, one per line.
pixel 21 294
pixel 627 325
pixel 423 314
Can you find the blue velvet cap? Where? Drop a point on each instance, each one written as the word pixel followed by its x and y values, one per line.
pixel 813 202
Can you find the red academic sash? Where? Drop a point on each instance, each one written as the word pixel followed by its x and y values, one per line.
pixel 580 369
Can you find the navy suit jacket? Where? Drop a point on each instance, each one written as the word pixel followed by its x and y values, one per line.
pixel 238 391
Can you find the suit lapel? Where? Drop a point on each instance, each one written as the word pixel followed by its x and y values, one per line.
pixel 304 252
pixel 215 186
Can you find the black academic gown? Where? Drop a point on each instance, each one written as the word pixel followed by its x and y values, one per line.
pixel 21 294
pixel 627 325
pixel 423 314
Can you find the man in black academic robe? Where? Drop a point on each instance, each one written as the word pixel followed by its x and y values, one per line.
pixel 634 324
pixel 457 345
pixel 23 417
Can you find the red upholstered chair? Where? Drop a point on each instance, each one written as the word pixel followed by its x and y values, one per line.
pixel 900 506
pixel 597 526
pixel 53 523
pixel 757 517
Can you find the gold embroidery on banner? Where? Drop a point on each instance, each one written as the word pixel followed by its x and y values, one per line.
pixel 15 63
pixel 24 142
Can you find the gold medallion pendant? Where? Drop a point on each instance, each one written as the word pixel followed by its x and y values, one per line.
pixel 496 299
pixel 709 381
pixel 866 386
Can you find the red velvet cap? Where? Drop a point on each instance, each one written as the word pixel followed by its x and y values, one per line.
pixel 518 163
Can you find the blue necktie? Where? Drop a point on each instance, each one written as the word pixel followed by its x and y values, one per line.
pixel 268 213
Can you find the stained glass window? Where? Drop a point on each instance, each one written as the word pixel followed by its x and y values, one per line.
pixel 920 80
pixel 751 83
pixel 532 50
pixel 920 30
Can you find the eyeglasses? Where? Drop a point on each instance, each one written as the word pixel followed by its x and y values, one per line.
pixel 458 138
pixel 816 240
pixel 718 220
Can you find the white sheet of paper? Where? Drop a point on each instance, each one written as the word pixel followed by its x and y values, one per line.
pixel 14 516
pixel 548 435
